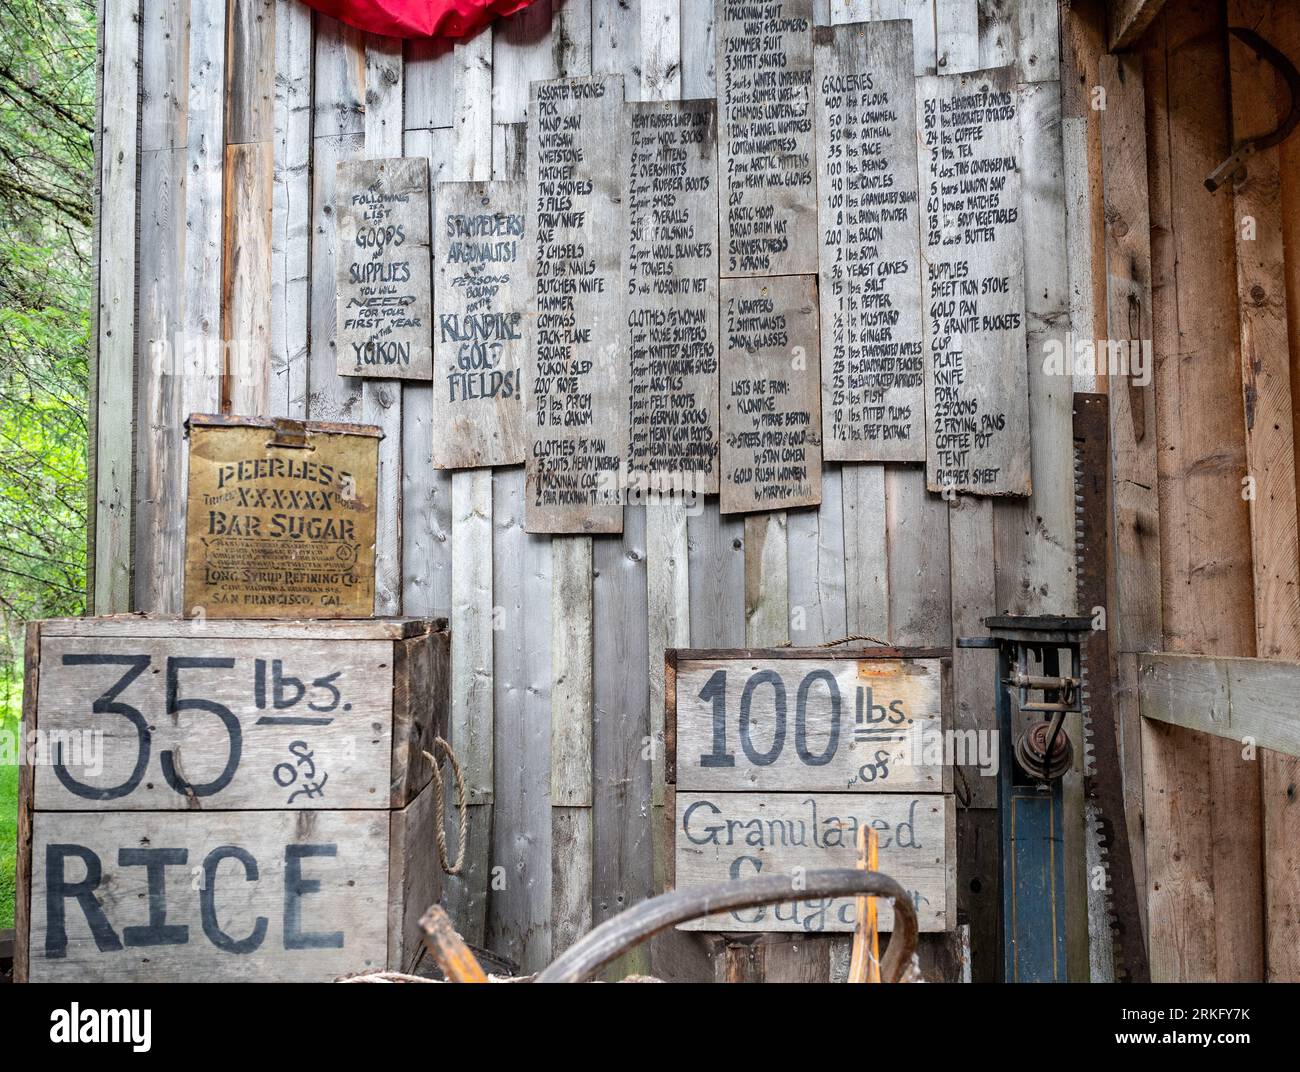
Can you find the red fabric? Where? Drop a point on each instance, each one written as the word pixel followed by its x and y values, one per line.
pixel 418 18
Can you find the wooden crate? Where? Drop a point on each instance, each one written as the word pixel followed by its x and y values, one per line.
pixel 242 800
pixel 777 756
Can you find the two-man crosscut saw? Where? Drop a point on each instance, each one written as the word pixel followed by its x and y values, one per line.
pixel 1102 772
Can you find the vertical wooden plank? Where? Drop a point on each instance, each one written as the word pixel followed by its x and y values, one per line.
pixel 471 687
pixel 622 872
pixel 472 538
pixel 291 210
pixel 997 32
pixel 571 740
pixel 381 400
pixel 661 50
pixel 1131 310
pixel 430 95
pixel 1037 41
pixel 246 289
pixel 198 361
pixel 1270 460
pixel 426 492
pixel 866 550
pixel 716 549
pixel 164 66
pixel 1204 546
pixel 616 43
pixel 697 49
pixel 115 369
pixel 339 87
pixel 816 561
pixel 1082 24
pixel 338 130
pixel 1035 536
pixel 571 637
pixel 571 37
pixel 767 594
pixel 159 450
pixel 246 252
pixel 250 87
pixel 521 54
pixel 920 596
pixel 519 905
pixel 519 921
pixel 957 34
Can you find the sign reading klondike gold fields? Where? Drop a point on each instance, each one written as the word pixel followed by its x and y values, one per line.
pixel 777 758
pixel 281 519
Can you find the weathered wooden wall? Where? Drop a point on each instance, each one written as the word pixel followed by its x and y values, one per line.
pixel 223 122
pixel 1205 549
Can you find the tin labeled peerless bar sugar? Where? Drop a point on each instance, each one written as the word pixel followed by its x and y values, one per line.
pixel 280 518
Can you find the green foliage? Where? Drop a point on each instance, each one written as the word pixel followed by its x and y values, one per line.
pixel 47 117
pixel 47 94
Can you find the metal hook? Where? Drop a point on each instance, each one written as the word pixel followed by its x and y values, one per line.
pixel 1282 63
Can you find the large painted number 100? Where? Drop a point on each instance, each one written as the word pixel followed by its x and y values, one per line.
pixel 715 693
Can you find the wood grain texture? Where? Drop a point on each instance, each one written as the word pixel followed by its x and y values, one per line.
pixel 1204 532
pixel 668 154
pixel 1270 459
pixel 519 914
pixel 228 728
pixel 622 849
pixel 414 879
pixel 977 438
pixel 115 353
pixel 770 394
pixel 1129 19
pixel 867 221
pixel 291 209
pixel 246 290
pixel 385 304
pixel 576 378
pixel 1247 701
pixel 481 292
pixel 309 895
pixel 829 724
pixel 768 197
pixel 734 835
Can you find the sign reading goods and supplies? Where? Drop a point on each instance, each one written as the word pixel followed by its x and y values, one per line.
pixel 778 757
pixel 281 519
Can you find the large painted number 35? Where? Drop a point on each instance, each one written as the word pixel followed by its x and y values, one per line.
pixel 109 704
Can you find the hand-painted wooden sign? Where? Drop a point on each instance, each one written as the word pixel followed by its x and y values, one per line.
pixel 770 394
pixel 479 331
pixel 281 519
pixel 670 266
pixel 768 199
pixel 384 307
pixel 870 273
pixel 826 723
pixel 723 836
pixel 976 371
pixel 776 758
pixel 576 369
pixel 202 722
pixel 226 800
pixel 239 897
